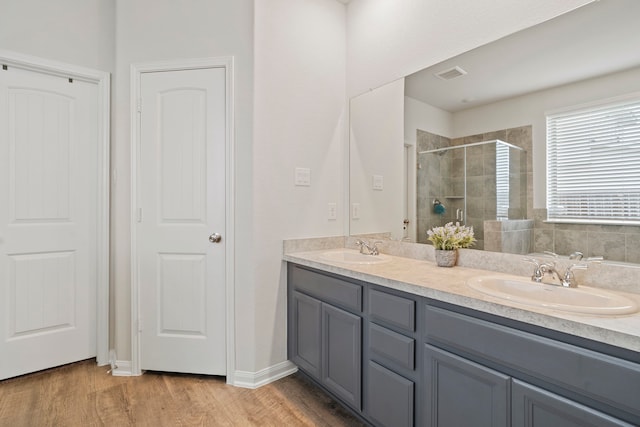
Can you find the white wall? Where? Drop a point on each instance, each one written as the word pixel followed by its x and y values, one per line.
pixel 78 32
pixel 153 30
pixel 530 110
pixel 376 148
pixel 299 112
pixel 389 39
pixel 418 115
pixel 298 117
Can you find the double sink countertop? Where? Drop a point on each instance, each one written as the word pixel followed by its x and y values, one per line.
pixel 424 278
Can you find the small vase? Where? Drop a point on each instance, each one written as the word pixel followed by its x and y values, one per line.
pixel 446 258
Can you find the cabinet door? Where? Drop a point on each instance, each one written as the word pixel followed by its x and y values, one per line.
pixel 307 334
pixel 535 407
pixel 463 393
pixel 342 349
pixel 389 397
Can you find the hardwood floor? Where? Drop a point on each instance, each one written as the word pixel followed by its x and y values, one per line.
pixel 83 394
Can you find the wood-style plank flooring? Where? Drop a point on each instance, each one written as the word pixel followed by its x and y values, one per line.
pixel 83 394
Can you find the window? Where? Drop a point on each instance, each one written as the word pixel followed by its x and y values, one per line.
pixel 593 164
pixel 502 182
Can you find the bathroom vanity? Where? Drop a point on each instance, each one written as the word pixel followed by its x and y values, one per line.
pixel 405 343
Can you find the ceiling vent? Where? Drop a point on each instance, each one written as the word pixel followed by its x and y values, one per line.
pixel 451 73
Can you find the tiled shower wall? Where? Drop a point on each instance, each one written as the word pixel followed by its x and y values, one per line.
pixel 441 177
pixel 435 180
pixel 614 242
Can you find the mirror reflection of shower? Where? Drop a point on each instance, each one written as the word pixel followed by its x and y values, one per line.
pixel 474 184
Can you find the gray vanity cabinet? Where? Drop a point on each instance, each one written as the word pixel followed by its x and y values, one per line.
pixel 460 392
pixel 391 375
pixel 553 383
pixel 342 354
pixel 307 334
pixel 536 407
pixel 325 331
pixel 398 359
pixel 389 397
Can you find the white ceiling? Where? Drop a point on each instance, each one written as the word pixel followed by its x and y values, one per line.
pixel 596 39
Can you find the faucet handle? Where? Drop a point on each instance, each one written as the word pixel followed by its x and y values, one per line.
pixel 553 254
pixel 537 271
pixel 577 255
pixel 578 267
pixel 568 279
pixel 595 259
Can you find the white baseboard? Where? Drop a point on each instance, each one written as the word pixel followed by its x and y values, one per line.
pixel 265 376
pixel 242 379
pixel 122 369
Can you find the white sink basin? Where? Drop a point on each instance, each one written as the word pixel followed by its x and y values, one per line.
pixel 349 256
pixel 575 300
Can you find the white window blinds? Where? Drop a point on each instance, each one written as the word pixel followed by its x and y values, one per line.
pixel 502 182
pixel 593 164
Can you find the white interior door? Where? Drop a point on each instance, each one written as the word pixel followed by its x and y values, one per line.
pixel 48 179
pixel 181 200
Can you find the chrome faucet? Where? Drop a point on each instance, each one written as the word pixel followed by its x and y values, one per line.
pixel 368 249
pixel 566 280
pixel 548 273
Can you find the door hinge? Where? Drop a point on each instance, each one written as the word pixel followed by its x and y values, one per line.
pixel 139 215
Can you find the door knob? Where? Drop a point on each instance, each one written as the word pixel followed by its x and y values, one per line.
pixel 215 238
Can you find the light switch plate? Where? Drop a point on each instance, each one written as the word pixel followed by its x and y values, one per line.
pixel 378 182
pixel 332 211
pixel 303 177
pixel 355 211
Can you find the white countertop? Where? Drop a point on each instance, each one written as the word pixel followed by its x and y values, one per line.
pixel 424 278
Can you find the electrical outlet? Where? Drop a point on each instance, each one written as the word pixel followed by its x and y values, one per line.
pixel 332 212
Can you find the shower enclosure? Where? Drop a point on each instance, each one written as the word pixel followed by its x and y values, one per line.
pixel 483 185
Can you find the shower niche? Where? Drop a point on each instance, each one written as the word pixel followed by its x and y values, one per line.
pixel 483 185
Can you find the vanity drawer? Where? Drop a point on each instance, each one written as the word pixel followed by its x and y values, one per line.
pixel 393 310
pixel 327 288
pixel 392 345
pixel 607 379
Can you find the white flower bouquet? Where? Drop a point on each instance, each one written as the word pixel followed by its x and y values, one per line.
pixel 450 236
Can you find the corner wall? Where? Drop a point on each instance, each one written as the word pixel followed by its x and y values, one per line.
pixel 299 121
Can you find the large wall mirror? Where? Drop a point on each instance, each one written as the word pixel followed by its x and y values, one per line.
pixel 465 139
